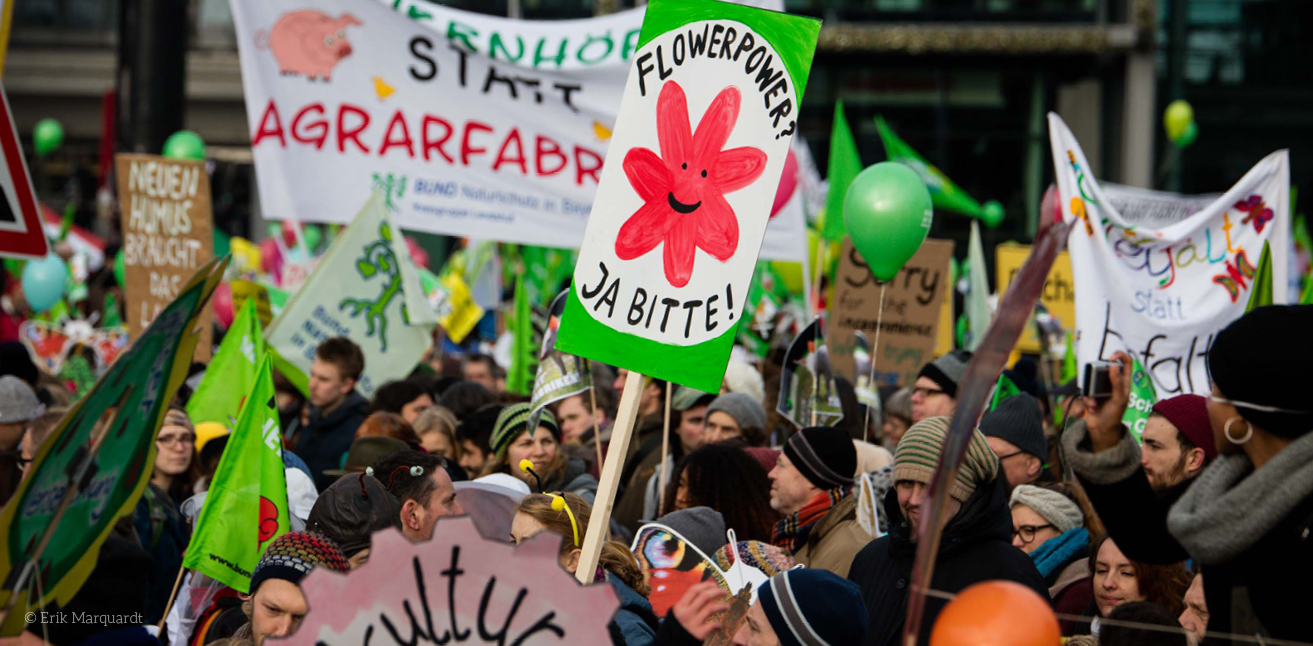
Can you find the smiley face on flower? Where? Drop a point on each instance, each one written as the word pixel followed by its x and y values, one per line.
pixel 683 190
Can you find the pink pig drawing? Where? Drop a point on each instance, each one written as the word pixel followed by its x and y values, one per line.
pixel 310 43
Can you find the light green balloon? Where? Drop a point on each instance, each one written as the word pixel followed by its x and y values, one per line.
pixel 47 136
pixel 184 144
pixel 888 213
pixel 1176 118
pixel 1191 133
pixel 991 214
pixel 313 236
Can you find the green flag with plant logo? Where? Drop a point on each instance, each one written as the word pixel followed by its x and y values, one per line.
pixel 232 372
pixel 246 507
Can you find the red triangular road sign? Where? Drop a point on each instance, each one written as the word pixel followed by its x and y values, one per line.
pixel 21 233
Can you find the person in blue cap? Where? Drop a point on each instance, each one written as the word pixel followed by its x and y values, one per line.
pixel 798 607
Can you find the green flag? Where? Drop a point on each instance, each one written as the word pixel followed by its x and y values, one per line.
pixel 943 192
pixel 111 309
pixel 1069 368
pixel 845 164
pixel 232 372
pixel 519 378
pixel 1143 397
pixel 246 507
pixel 1260 293
pixel 1003 390
pixel 977 300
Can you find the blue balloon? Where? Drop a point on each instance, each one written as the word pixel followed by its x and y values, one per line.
pixel 44 281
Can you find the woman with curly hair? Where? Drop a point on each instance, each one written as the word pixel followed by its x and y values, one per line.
pixel 725 478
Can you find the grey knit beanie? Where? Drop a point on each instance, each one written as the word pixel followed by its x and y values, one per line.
pixel 743 408
pixel 18 403
pixel 704 527
pixel 1054 507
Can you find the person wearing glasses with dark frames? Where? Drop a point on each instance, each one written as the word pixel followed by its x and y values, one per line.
pixel 935 392
pixel 1048 525
pixel 1248 518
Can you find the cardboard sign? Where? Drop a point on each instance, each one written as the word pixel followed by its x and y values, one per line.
pixel 912 312
pixel 1158 275
pixel 167 234
pixel 119 418
pixel 1059 295
pixel 458 588
pixel 700 145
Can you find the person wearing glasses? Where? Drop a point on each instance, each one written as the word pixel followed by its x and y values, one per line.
pixel 18 407
pixel 1015 431
pixel 1248 518
pixel 1049 526
pixel 935 391
pixel 158 520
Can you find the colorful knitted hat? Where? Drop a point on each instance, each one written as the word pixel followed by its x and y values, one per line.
pixel 918 454
pixel 292 556
pixel 767 558
pixel 513 420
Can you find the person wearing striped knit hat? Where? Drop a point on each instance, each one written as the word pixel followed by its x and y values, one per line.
pixel 277 604
pixel 513 443
pixel 976 544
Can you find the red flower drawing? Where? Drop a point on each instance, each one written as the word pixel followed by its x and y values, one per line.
pixel 684 194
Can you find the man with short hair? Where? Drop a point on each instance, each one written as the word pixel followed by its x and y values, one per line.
pixel 736 416
pixel 421 484
pixel 935 392
pixel 651 400
pixel 1015 432
pixel 277 603
pixel 975 545
pixel 1177 441
pixel 691 406
pixel 577 417
pixel 480 369
pixel 336 409
pixel 1195 617
pixel 474 433
pixel 811 486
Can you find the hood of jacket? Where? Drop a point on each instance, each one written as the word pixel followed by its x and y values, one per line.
pixel 984 516
pixel 354 405
pixel 573 477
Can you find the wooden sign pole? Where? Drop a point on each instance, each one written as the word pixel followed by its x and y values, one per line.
pixel 665 455
pixel 621 432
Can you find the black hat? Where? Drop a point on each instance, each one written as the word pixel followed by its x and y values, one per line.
pixel 1239 356
pixel 1019 421
pixel 824 455
pixel 947 370
pixel 352 509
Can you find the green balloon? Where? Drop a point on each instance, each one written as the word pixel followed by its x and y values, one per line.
pixel 1187 137
pixel 888 213
pixel 1176 118
pixel 47 135
pixel 184 144
pixel 222 243
pixel 118 269
pixel 991 213
pixel 313 236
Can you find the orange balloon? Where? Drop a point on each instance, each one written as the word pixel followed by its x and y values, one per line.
pixel 997 613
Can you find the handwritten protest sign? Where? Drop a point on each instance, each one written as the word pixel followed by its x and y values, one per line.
pixel 117 422
pixel 698 150
pixel 1158 275
pixel 912 312
pixel 1058 297
pixel 167 234
pixel 456 587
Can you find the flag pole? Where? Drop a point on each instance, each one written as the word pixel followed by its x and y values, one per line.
pixel 173 596
pixel 621 433
pixel 875 352
pixel 665 455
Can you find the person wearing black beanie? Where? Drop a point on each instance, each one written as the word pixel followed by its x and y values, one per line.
pixel 1015 431
pixel 1246 519
pixel 812 485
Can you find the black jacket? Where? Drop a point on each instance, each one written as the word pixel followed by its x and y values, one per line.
pixel 324 441
pixel 976 546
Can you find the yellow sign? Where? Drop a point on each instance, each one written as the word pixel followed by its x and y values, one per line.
pixel 455 310
pixel 1059 295
pixel 944 342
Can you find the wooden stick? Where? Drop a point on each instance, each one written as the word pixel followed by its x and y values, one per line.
pixel 621 432
pixel 875 351
pixel 169 606
pixel 665 455
pixel 816 278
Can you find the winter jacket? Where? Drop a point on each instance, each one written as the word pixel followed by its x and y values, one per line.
pixel 159 526
pixel 976 546
pixel 575 479
pixel 673 633
pixel 1250 530
pixel 835 539
pixel 639 469
pixel 324 441
pixel 634 624
pixel 1072 592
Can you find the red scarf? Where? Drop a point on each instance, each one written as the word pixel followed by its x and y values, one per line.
pixel 791 531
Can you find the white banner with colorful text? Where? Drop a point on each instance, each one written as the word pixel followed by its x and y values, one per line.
pixel 1158 275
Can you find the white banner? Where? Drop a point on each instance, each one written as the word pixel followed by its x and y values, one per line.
pixel 1158 275
pixel 472 125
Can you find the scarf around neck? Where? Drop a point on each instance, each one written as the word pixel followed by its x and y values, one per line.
pixel 791 531
pixel 1056 551
pixel 1231 506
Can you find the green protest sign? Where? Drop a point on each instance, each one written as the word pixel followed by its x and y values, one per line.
pixel 113 427
pixel 681 208
pixel 1140 405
